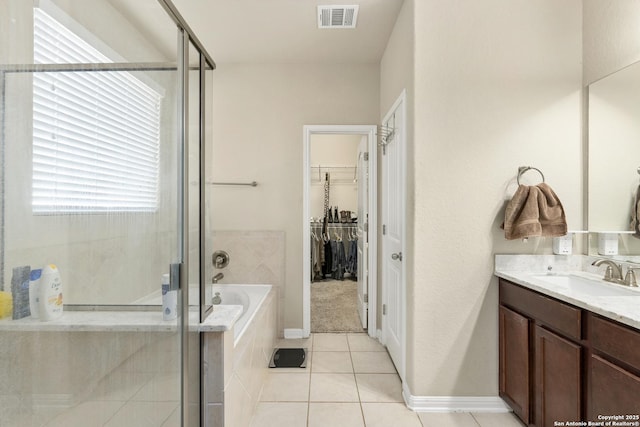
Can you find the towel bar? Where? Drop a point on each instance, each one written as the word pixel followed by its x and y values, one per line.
pixel 523 169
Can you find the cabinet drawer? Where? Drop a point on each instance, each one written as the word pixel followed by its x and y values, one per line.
pixel 617 341
pixel 557 315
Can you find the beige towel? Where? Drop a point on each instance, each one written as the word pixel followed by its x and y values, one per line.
pixel 534 211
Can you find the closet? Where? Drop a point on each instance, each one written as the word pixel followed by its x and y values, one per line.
pixel 333 231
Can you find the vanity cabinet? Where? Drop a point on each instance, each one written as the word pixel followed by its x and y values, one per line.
pixel 614 369
pixel 514 360
pixel 559 363
pixel 541 351
pixel 557 378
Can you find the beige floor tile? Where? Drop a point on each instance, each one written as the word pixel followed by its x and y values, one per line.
pixel 372 362
pixel 363 342
pixel 335 415
pixel 389 415
pixel 280 414
pixel 333 388
pixel 142 414
pixel 330 342
pixel 450 419
pixel 285 387
pixel 379 387
pixel 91 413
pixel 332 361
pixel 497 420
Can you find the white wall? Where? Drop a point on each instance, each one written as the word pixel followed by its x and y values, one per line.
pixel 259 112
pixel 396 75
pixel 341 153
pixel 497 86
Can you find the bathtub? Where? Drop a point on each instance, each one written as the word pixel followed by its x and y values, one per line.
pixel 235 363
pixel 250 297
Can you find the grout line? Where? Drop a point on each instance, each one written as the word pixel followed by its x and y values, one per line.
pixel 474 419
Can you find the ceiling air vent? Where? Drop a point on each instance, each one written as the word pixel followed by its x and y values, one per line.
pixel 334 16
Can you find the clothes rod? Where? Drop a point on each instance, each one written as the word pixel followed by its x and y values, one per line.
pixel 248 184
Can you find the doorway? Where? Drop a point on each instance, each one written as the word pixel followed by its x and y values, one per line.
pixel 339 214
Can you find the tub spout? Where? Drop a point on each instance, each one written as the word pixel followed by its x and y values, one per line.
pixel 217 278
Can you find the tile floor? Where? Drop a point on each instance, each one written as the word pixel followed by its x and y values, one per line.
pixel 350 381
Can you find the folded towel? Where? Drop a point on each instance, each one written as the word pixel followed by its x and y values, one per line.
pixel 534 211
pixel 635 215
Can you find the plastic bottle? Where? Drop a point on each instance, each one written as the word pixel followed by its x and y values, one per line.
pixel 34 292
pixel 50 304
pixel 169 300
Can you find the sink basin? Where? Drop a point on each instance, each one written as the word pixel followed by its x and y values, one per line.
pixel 595 288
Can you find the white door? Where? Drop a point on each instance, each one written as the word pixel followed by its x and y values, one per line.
pixel 363 235
pixel 393 182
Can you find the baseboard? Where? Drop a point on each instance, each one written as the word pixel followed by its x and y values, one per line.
pixel 293 333
pixel 453 403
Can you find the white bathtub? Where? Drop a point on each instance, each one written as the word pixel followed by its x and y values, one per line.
pixel 248 296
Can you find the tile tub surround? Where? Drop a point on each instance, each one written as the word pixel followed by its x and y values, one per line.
pixel 255 257
pixel 96 376
pixel 234 375
pixel 522 269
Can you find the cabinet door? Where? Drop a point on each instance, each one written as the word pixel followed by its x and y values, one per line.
pixel 558 382
pixel 612 390
pixel 514 365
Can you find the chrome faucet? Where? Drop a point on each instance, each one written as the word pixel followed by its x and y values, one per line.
pixel 613 273
pixel 217 278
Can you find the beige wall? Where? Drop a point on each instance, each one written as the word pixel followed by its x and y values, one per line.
pixel 611 36
pixel 259 112
pixel 493 91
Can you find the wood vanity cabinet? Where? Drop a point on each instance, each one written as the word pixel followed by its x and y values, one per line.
pixel 514 360
pixel 559 363
pixel 614 369
pixel 540 364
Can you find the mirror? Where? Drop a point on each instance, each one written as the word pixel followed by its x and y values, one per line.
pixel 614 158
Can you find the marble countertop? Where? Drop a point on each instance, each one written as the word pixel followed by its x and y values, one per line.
pixel 624 309
pixel 221 319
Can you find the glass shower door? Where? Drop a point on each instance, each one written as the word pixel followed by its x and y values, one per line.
pixel 93 216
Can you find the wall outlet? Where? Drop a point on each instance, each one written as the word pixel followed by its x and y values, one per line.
pixel 608 243
pixel 563 245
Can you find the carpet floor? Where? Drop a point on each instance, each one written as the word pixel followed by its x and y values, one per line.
pixel 334 306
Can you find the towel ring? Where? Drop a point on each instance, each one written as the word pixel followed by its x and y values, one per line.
pixel 523 169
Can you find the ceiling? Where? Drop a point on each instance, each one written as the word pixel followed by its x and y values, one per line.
pixel 285 31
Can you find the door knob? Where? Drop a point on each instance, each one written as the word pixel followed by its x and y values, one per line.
pixel 397 256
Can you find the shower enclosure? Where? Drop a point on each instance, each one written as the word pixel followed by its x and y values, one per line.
pixel 102 151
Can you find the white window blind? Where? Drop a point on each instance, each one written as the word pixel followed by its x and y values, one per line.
pixel 96 135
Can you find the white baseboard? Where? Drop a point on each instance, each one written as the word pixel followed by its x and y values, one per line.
pixel 293 333
pixel 453 403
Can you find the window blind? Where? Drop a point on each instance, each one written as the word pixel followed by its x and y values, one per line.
pixel 96 134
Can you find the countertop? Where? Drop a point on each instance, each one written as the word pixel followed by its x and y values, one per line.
pixel 516 269
pixel 221 319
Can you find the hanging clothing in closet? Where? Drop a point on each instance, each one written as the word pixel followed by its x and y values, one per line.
pixel 331 256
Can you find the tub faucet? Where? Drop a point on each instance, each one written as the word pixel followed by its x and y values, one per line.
pixel 613 273
pixel 217 278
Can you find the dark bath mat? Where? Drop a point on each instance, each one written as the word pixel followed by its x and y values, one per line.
pixel 289 358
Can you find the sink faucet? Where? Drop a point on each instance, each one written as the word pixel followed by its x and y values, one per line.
pixel 613 273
